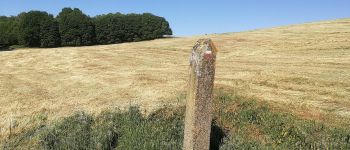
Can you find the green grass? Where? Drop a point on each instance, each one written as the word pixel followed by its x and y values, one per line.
pixel 254 125
pixel 112 129
pixel 239 123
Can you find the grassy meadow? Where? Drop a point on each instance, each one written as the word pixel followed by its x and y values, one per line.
pixel 284 87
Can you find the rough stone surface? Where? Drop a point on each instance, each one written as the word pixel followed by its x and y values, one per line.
pixel 199 99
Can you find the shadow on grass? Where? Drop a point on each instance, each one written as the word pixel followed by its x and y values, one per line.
pixel 217 135
pixel 6 49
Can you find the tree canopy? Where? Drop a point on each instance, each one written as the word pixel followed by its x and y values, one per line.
pixel 49 33
pixel 115 28
pixel 8 31
pixel 74 28
pixel 38 29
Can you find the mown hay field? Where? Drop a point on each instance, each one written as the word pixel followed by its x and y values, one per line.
pixel 301 69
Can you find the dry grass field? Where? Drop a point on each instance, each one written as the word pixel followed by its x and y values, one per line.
pixel 304 69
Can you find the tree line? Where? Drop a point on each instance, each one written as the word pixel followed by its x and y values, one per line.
pixel 71 27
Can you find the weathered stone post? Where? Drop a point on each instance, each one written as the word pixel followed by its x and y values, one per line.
pixel 200 93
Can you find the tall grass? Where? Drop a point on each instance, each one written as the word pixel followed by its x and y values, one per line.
pixel 252 124
pixel 239 123
pixel 111 129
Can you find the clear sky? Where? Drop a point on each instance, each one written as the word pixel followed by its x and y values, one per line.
pixel 191 17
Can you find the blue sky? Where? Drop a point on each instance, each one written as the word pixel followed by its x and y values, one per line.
pixel 192 17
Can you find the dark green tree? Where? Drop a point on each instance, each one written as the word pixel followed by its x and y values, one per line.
pixel 49 33
pixel 154 26
pixel 76 28
pixel 8 31
pixel 132 30
pixel 29 28
pixel 109 28
pixel 38 29
pixel 116 28
pixel 165 27
pixel 73 28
